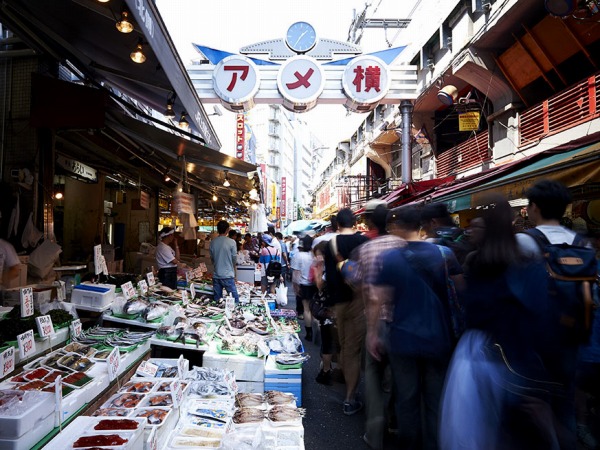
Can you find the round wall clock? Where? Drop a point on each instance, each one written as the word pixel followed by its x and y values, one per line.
pixel 301 37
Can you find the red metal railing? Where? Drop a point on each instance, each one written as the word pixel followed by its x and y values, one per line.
pixel 464 156
pixel 573 106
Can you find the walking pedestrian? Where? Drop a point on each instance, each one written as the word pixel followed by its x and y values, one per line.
pixel 305 288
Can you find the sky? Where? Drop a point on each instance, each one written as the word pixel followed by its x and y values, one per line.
pixel 232 24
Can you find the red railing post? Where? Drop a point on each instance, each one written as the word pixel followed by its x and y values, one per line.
pixel 545 117
pixel 592 94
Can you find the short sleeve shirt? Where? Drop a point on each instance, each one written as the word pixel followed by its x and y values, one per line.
pixel 164 256
pixel 303 262
pixel 223 253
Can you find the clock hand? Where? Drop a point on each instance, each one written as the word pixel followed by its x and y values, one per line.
pixel 300 37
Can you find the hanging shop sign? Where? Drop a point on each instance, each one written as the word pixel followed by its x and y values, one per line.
pixel 183 203
pixel 240 136
pixel 469 121
pixel 144 200
pixel 236 81
pixel 366 81
pixel 283 198
pixel 77 168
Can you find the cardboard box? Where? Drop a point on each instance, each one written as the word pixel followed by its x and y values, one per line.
pixel 20 280
pixel 42 293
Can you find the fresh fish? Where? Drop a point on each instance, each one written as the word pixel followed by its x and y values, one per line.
pixel 155 310
pixel 169 333
pixel 180 322
pixel 135 306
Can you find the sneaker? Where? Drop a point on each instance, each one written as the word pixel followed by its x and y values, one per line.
pixel 324 377
pixel 585 436
pixel 351 408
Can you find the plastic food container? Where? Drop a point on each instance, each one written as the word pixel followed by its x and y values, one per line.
pixel 156 417
pixel 124 400
pixel 15 420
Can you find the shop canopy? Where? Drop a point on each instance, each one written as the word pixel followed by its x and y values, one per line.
pixel 81 34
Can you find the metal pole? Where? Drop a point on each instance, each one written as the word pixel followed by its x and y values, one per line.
pixel 406 107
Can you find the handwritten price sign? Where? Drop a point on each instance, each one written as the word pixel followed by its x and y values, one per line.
pixel 143 287
pixel 26 344
pixel 151 280
pixel 128 290
pixel 184 297
pixel 44 326
pixel 26 302
pixel 7 361
pixel 176 393
pixel 114 361
pixel 193 290
pixel 181 367
pixel 75 328
pixel 147 369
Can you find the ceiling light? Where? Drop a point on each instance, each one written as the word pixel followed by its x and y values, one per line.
pixel 124 25
pixel 183 122
pixel 58 195
pixel 103 1
pixel 169 113
pixel 215 197
pixel 167 177
pixel 226 182
pixel 137 56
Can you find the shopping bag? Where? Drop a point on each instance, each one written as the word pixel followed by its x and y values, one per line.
pixel 281 295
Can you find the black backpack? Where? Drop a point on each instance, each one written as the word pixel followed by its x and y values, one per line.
pixel 274 267
pixel 571 270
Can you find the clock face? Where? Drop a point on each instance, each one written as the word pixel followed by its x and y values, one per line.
pixel 301 37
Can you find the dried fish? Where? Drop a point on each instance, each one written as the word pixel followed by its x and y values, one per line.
pixel 248 415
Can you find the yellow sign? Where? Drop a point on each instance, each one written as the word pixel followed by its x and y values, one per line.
pixel 469 121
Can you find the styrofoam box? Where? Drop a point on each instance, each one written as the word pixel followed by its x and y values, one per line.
pixel 294 388
pixel 13 427
pixel 251 386
pixel 245 368
pixel 272 371
pixel 37 431
pixel 170 362
pixel 95 295
pixel 42 293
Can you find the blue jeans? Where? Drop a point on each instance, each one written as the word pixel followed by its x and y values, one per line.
pixel 225 283
pixel 418 383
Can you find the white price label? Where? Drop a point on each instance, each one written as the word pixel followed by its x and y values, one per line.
pixel 193 290
pixel 128 290
pixel 58 400
pixel 27 302
pixel 181 367
pixel 7 361
pixel 147 369
pixel 151 280
pixel 61 291
pixel 188 276
pixel 202 267
pixel 26 344
pixel 44 326
pixel 176 393
pixel 104 267
pixel 113 362
pixel 153 439
pixel 143 287
pixel 75 328
pixel 229 305
pixel 184 297
pixel 97 259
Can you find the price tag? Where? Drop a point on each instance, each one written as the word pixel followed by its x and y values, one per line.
pixel 128 290
pixel 147 369
pixel 27 302
pixel 181 367
pixel 151 280
pixel 61 291
pixel 188 276
pixel 229 305
pixel 75 328
pixel 143 287
pixel 202 267
pixel 193 290
pixel 176 393
pixel 58 400
pixel 184 297
pixel 97 259
pixel 153 440
pixel 113 362
pixel 44 326
pixel 26 344
pixel 7 361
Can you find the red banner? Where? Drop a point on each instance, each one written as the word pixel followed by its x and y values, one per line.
pixel 283 198
pixel 240 136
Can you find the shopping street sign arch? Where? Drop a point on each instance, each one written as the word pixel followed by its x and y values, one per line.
pixel 331 72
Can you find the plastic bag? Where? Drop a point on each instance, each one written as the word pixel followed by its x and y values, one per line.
pixel 45 308
pixel 281 295
pixel 31 235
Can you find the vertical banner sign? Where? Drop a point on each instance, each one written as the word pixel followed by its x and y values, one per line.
pixel 97 259
pixel 128 290
pixel 193 290
pixel 147 369
pixel 143 286
pixel 44 326
pixel 153 440
pixel 7 361
pixel 26 344
pixel 26 302
pixel 181 367
pixel 151 280
pixel 176 393
pixel 240 136
pixel 113 360
pixel 184 297
pixel 75 328
pixel 283 211
pixel 58 401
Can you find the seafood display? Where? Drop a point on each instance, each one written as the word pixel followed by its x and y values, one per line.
pixel 36 374
pixel 155 311
pixel 248 415
pixel 52 361
pixel 159 400
pixel 32 386
pixel 112 412
pixel 281 413
pixel 99 440
pixel 84 350
pixel 166 386
pixel 285 343
pixel 140 387
pixel 249 400
pixel 101 355
pixel 75 362
pixel 135 306
pixel 179 441
pixel 118 424
pixel 203 389
pixel 279 398
pixel 77 379
pixel 52 376
pixel 125 400
pixel 155 416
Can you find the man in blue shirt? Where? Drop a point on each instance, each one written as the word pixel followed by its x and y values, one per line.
pixel 223 254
